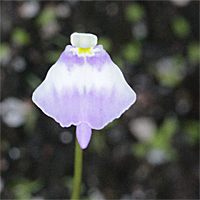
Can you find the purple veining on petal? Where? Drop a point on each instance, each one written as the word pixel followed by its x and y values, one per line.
pixel 97 108
pixel 97 60
pixel 100 58
pixel 70 58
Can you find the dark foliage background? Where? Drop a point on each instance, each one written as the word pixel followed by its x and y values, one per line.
pixel 152 151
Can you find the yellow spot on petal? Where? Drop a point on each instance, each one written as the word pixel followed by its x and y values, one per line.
pixel 82 50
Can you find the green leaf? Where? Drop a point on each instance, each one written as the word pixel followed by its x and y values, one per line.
pixel 135 12
pixel 191 128
pixel 47 15
pixel 4 50
pixel 132 52
pixel 36 185
pixel 162 139
pixel 193 52
pixel 181 27
pixel 23 188
pixel 140 150
pixel 21 37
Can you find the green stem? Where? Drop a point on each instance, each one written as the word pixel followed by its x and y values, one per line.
pixel 77 172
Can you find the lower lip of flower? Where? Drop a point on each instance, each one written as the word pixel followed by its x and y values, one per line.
pixel 84 88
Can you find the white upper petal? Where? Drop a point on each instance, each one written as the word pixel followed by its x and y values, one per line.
pixel 83 40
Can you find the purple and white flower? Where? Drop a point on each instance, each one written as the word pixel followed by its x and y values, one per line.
pixel 84 88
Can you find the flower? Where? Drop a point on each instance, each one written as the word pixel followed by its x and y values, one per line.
pixel 84 88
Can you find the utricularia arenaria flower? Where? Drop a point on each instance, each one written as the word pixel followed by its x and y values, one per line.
pixel 84 88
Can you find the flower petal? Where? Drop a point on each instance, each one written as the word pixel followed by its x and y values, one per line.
pixel 84 88
pixel 83 40
pixel 83 134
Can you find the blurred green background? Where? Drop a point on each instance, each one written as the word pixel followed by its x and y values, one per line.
pixel 152 151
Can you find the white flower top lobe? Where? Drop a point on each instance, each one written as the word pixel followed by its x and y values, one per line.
pixel 83 40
